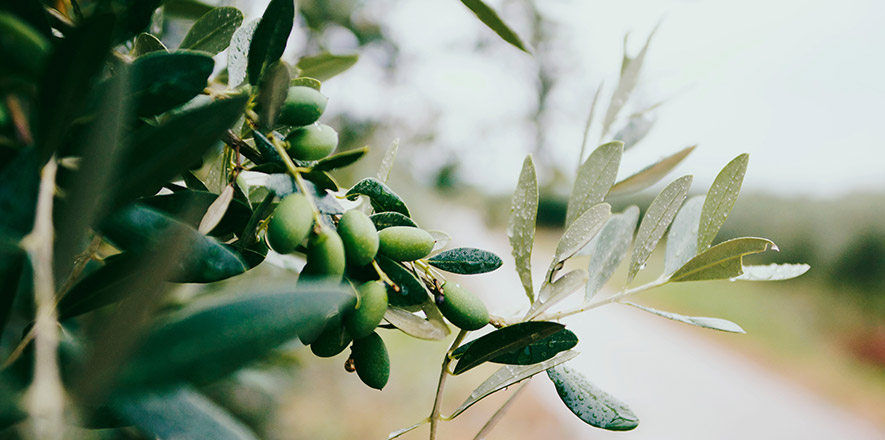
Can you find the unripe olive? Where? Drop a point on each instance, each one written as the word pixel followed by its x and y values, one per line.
pixel 361 321
pixel 325 256
pixel 303 106
pixel 290 223
pixel 333 340
pixel 312 142
pixel 404 243
pixel 359 236
pixel 371 360
pixel 462 308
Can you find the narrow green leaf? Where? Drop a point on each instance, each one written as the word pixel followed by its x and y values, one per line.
pixel 682 240
pixel 578 235
pixel 387 219
pixel 609 248
pixel 325 65
pixel 521 224
pixel 509 375
pixel 382 197
pixel 238 54
pixel 699 321
pixel 630 70
pixel 466 261
pixel 146 43
pixel 595 178
pixel 181 412
pixel 203 343
pixel 416 326
pixel 651 174
pixel 322 180
pixel 720 200
pixel 588 124
pixel 103 286
pixel 490 18
pixel 213 31
pixel 409 291
pixel 158 154
pixel 592 405
pixel 270 37
pixel 272 89
pixel 162 81
pixel 141 229
pixel 638 126
pixel 180 204
pixel 340 160
pixel 503 341
pixel 71 71
pixel 555 292
pixel 773 272
pixel 216 211
pixel 658 216
pixel 722 261
pixel 387 161
pixel 266 149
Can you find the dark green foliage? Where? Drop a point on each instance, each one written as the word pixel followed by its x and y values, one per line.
pixel 466 261
pixel 505 341
pixel 162 81
pixel 382 197
pixel 269 39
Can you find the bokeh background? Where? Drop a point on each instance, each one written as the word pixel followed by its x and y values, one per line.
pixel 797 84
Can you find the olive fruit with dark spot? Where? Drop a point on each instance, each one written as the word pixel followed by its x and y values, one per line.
pixel 359 236
pixel 290 223
pixel 404 243
pixel 371 361
pixel 462 308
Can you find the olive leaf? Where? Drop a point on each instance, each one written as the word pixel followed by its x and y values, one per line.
pixel 592 405
pixel 682 240
pixel 387 219
pixel 723 261
pixel 651 174
pixel 506 341
pixel 638 126
pixel 305 81
pixel 720 200
pixel 416 326
pixel 773 272
pixel 608 249
pixel 409 291
pixel 238 53
pixel 698 321
pixel 382 197
pixel 578 235
pixel 146 43
pixel 270 37
pixel 340 160
pixel 180 203
pixel 538 351
pixel 630 69
pixel 466 261
pixel 555 292
pixel 213 31
pixel 491 19
pixel 325 65
pixel 162 80
pixel 658 216
pixel 509 375
pixel 521 224
pixel 216 211
pixel 595 178
pixel 387 161
pixel 272 93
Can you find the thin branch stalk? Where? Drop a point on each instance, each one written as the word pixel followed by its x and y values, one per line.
pixel 443 374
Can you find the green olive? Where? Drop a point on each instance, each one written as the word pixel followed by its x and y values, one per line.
pixel 312 142
pixel 362 321
pixel 333 340
pixel 404 243
pixel 371 360
pixel 360 237
pixel 290 223
pixel 303 106
pixel 325 256
pixel 462 308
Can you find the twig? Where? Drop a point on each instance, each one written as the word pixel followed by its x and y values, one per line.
pixel 443 374
pixel 612 299
pixel 45 399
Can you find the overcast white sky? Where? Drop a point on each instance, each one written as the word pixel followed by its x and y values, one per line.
pixel 797 84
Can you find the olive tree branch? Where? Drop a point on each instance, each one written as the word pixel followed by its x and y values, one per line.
pixel 611 299
pixel 443 374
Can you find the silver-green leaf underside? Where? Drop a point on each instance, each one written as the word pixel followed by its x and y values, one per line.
pixel 521 224
pixel 773 272
pixel 657 218
pixel 387 161
pixel 609 248
pixel 722 261
pixel 682 240
pixel 578 235
pixel 720 200
pixel 238 55
pixel 650 175
pixel 553 293
pixel 630 69
pixel 592 405
pixel 594 179
pixel 416 326
pixel 698 321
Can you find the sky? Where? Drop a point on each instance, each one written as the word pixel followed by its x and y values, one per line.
pixel 796 84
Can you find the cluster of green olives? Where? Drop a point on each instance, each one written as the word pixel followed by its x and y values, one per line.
pixel 344 250
pixel 302 109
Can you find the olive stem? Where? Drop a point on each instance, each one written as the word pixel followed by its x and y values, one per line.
pixel 443 374
pixel 382 274
pixel 612 299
